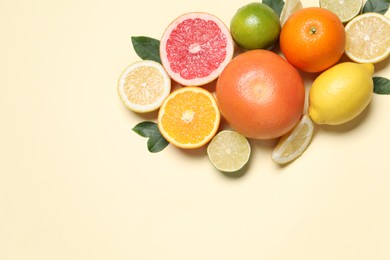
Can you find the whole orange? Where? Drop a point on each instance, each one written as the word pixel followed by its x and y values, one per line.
pixel 312 39
pixel 260 94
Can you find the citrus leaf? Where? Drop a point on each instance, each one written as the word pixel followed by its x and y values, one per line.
pixel 146 48
pixel 381 85
pixel 377 6
pixel 156 141
pixel 276 5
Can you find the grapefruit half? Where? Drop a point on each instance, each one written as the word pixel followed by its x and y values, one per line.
pixel 195 48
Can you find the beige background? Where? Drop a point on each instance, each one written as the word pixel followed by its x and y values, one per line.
pixel 77 183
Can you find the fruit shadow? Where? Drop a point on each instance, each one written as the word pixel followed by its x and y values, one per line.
pixel 348 126
pixel 257 146
pixel 237 174
pixel 381 65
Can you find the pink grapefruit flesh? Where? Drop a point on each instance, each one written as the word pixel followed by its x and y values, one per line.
pixel 195 48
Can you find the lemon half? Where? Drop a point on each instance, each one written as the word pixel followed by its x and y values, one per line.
pixel 368 38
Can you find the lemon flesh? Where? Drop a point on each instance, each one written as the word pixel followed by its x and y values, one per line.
pixel 341 93
pixel 292 145
pixel 344 9
pixel 229 151
pixel 143 86
pixel 368 38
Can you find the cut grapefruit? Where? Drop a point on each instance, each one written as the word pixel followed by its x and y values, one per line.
pixel 195 48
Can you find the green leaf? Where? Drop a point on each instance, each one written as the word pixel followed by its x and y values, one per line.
pixel 381 85
pixel 276 5
pixel 377 6
pixel 156 141
pixel 146 48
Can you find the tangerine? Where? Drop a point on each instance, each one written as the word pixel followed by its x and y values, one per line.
pixel 313 39
pixel 260 94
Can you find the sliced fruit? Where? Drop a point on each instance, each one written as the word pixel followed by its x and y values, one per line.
pixel 368 38
pixel 189 117
pixel 293 144
pixel 143 86
pixel 290 7
pixel 229 151
pixel 344 9
pixel 195 48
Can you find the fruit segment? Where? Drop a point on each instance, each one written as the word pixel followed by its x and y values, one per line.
pixel 293 144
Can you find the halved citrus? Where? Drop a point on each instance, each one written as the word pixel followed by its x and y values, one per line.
pixel 189 117
pixel 293 144
pixel 229 151
pixel 344 9
pixel 195 48
pixel 368 38
pixel 143 86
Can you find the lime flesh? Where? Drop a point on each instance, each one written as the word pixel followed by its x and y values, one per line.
pixel 229 151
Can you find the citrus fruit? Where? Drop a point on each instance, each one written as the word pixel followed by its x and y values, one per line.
pixel 260 94
pixel 344 9
pixel 290 7
pixel 229 151
pixel 294 143
pixel 368 38
pixel 255 26
pixel 341 93
pixel 195 48
pixel 189 117
pixel 312 39
pixel 143 86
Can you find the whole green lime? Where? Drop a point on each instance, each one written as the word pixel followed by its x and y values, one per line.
pixel 255 26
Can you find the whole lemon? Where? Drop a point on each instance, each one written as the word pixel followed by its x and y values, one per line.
pixel 255 26
pixel 341 93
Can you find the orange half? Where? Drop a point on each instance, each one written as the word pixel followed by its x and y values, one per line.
pixel 189 117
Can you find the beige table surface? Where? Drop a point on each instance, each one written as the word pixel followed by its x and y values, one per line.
pixel 77 183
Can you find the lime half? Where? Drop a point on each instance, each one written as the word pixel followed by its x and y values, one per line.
pixel 229 151
pixel 344 9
